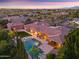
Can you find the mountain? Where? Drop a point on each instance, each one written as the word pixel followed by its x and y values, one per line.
pixel 73 7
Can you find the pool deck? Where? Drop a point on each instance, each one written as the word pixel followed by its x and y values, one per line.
pixel 46 48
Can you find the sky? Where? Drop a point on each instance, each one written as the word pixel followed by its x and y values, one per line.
pixel 38 4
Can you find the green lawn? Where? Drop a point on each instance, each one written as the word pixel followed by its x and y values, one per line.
pixel 22 34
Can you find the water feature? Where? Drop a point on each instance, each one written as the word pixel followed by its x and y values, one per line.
pixel 31 46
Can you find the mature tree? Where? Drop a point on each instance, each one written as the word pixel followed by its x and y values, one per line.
pixel 6 44
pixel 74 14
pixel 70 49
pixel 4 35
pixel 3 22
pixel 50 56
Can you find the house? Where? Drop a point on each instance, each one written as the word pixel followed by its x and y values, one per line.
pixel 16 18
pixel 15 26
pixel 53 34
pixel 76 20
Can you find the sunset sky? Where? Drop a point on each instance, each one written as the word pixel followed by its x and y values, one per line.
pixel 34 4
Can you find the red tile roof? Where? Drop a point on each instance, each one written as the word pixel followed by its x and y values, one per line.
pixel 54 33
pixel 44 28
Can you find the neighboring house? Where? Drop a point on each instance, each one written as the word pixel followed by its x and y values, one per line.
pixel 15 26
pixel 76 20
pixel 14 19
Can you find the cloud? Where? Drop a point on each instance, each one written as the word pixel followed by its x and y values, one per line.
pixel 37 3
pixel 40 0
pixel 55 0
pixel 34 5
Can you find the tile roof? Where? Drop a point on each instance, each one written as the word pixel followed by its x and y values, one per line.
pixel 56 33
pixel 45 28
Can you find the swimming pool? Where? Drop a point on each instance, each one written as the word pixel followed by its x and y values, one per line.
pixel 31 46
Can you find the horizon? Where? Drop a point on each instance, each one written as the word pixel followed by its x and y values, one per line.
pixel 37 4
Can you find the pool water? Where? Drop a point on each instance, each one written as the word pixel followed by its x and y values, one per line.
pixel 31 45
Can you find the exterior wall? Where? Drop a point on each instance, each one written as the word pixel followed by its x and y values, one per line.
pixel 18 27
